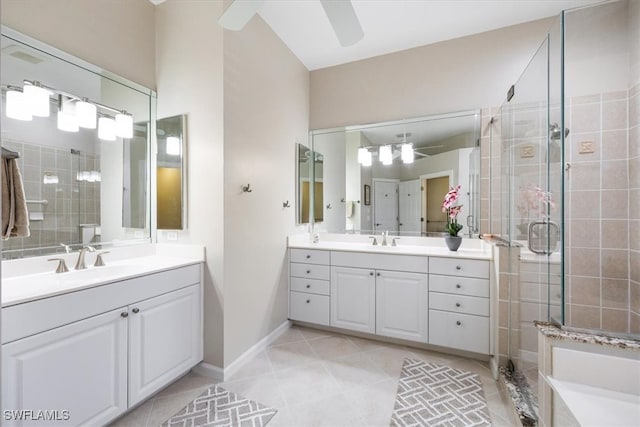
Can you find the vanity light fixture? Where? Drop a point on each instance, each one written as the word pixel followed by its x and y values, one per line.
pixel 17 107
pixel 367 158
pixel 406 152
pixel 49 178
pixel 124 125
pixel 86 113
pixel 173 146
pixel 386 154
pixel 106 128
pixel 362 152
pixel 36 98
pixel 67 115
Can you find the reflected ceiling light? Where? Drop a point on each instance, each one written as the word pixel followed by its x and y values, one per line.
pixel 106 128
pixel 67 115
pixel 406 153
pixel 86 114
pixel 362 152
pixel 173 146
pixel 37 99
pixel 386 154
pixel 49 178
pixel 17 107
pixel 367 158
pixel 124 125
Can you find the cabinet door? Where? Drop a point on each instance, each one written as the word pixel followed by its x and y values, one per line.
pixel 165 340
pixel 401 305
pixel 353 299
pixel 80 368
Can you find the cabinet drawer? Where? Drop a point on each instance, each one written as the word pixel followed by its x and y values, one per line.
pixel 459 285
pixel 412 263
pixel 312 286
pixel 459 303
pixel 462 331
pixel 459 267
pixel 309 271
pixel 309 256
pixel 309 308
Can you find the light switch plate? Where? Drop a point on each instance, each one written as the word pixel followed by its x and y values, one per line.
pixel 172 235
pixel 587 147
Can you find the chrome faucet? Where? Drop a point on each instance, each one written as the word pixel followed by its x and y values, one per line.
pixel 384 238
pixel 80 265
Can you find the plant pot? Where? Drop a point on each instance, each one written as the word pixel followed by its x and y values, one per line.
pixel 453 242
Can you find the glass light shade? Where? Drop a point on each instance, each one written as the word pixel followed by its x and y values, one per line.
pixel 86 175
pixel 67 116
pixel 407 153
pixel 107 129
pixel 367 159
pixel 124 125
pixel 37 99
pixel 173 146
pixel 49 178
pixel 385 154
pixel 362 152
pixel 17 107
pixel 86 114
pixel 95 176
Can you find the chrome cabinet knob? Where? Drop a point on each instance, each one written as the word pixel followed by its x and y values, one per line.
pixel 458 267
pixel 308 286
pixel 124 314
pixel 378 274
pixel 458 286
pixel 458 323
pixel 136 310
pixel 308 256
pixel 457 304
pixel 371 273
pixel 308 271
pixel 308 301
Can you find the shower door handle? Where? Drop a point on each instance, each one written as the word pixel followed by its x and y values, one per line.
pixel 551 225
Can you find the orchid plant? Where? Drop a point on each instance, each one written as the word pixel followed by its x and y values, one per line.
pixel 453 227
pixel 535 201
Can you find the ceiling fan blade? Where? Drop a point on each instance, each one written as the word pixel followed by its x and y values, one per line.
pixel 239 13
pixel 344 21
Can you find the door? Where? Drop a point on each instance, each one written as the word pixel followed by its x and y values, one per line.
pixel 409 207
pixel 353 299
pixel 164 340
pixel 80 368
pixel 401 305
pixel 385 206
pixel 435 190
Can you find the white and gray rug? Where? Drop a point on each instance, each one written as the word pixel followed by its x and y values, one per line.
pixel 435 395
pixel 221 408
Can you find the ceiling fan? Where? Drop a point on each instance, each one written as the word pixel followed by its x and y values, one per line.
pixel 341 15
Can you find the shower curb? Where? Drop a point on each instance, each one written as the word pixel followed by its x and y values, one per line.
pixel 523 400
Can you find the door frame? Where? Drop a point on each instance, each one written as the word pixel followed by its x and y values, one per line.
pixel 423 184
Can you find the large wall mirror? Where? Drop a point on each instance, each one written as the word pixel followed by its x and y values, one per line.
pixel 309 185
pixel 83 157
pixel 393 176
pixel 170 172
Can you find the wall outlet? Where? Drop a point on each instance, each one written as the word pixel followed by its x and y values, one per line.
pixel 172 235
pixel 138 234
pixel 587 147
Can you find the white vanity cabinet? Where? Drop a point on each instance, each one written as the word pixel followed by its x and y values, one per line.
pixel 353 299
pixel 145 333
pixel 309 286
pixel 401 305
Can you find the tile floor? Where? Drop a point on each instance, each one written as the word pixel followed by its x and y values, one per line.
pixel 318 378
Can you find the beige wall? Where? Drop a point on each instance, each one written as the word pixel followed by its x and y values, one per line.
pixel 117 35
pixel 266 99
pixel 189 77
pixel 460 74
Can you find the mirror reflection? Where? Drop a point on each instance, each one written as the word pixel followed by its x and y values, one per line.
pixel 76 149
pixel 393 176
pixel 309 170
pixel 170 172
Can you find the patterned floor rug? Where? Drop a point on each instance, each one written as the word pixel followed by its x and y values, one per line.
pixel 221 408
pixel 435 395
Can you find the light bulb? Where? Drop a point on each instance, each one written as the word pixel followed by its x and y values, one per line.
pixel 124 125
pixel 407 153
pixel 367 158
pixel 86 114
pixel 362 152
pixel 385 154
pixel 173 146
pixel 37 99
pixel 17 107
pixel 107 129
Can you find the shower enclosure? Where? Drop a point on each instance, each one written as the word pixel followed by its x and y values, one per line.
pixel 565 188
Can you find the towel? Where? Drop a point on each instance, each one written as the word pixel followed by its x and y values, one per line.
pixel 15 217
pixel 349 208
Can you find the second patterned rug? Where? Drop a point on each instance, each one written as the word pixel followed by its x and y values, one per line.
pixel 435 395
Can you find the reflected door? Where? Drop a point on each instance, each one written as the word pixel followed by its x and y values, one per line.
pixel 385 206
pixel 409 207
pixel 435 190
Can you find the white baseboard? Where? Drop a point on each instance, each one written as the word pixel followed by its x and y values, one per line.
pixel 219 374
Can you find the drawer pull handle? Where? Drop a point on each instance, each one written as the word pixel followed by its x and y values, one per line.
pixel 378 274
pixel 136 310
pixel 457 304
pixel 308 256
pixel 308 271
pixel 458 286
pixel 458 323
pixel 308 286
pixel 124 314
pixel 458 267
pixel 308 301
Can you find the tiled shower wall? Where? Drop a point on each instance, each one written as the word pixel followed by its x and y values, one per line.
pixel 601 198
pixel 634 209
pixel 69 202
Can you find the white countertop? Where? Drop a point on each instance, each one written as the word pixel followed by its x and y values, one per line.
pixel 24 280
pixel 420 246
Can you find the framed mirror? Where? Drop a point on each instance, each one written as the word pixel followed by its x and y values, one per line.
pixel 171 172
pixel 392 176
pixel 309 169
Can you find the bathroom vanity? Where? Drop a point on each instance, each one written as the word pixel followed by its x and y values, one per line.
pixel 97 342
pixel 418 292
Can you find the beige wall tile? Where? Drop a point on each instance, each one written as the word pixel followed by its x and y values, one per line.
pixel 615 320
pixel 615 145
pixel 612 96
pixel 634 110
pixel 585 233
pixel 634 323
pixel 615 234
pixel 615 293
pixel 585 99
pixel 584 204
pixel 634 235
pixel 584 176
pixel 615 175
pixel 615 204
pixel 615 264
pixel 634 172
pixel 634 296
pixel 634 264
pixel 583 316
pixel 585 262
pixel 634 141
pixel 575 141
pixel 634 204
pixel 585 118
pixel 614 115
pixel 585 290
